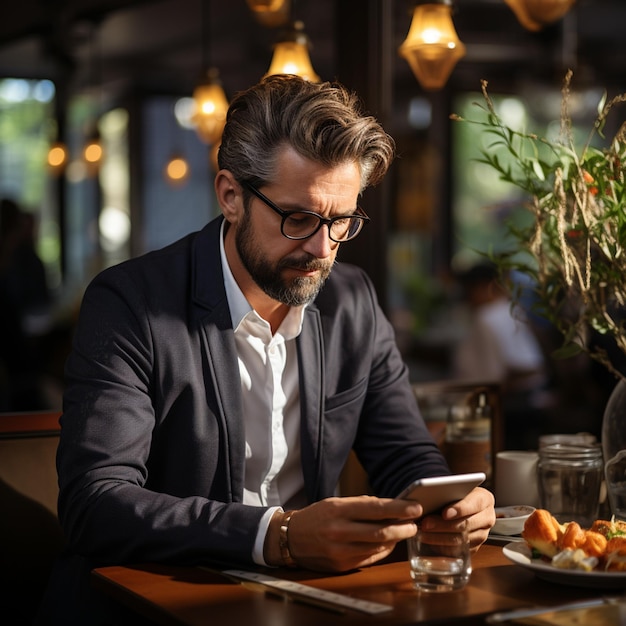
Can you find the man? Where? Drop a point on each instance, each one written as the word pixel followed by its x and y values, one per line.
pixel 500 345
pixel 217 386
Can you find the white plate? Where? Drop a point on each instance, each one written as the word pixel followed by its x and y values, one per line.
pixel 520 554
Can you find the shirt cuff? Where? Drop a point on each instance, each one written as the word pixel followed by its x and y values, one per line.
pixel 259 542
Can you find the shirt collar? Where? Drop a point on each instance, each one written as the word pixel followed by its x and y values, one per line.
pixel 240 307
pixel 237 303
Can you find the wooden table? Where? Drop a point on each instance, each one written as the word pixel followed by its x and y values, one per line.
pixel 190 596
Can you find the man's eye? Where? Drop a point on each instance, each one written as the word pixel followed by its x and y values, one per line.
pixel 301 220
pixel 342 222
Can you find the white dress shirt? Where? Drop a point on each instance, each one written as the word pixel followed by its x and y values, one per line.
pixel 268 369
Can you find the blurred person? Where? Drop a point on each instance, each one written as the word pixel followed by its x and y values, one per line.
pixel 31 283
pixel 217 386
pixel 500 346
pixel 24 309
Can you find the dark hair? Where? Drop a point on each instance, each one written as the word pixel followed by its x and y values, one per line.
pixel 321 121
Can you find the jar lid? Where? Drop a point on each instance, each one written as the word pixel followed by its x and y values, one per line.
pixel 576 439
pixel 572 452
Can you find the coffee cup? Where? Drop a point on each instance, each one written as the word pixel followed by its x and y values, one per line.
pixel 515 480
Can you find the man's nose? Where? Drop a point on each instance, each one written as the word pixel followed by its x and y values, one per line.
pixel 320 244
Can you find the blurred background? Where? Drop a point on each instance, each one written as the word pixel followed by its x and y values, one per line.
pixel 122 73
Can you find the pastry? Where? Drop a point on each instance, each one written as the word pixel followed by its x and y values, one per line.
pixel 615 555
pixel 541 532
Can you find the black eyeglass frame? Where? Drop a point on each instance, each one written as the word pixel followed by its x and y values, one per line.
pixel 328 221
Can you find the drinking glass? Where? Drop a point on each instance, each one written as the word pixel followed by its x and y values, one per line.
pixel 439 561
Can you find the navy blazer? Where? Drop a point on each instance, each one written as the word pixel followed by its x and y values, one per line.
pixel 151 456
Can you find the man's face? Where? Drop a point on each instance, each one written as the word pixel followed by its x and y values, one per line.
pixel 288 271
pixel 268 274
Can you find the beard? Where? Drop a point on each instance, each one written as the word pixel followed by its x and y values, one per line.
pixel 293 292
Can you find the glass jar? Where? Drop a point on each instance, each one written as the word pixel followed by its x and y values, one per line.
pixel 569 481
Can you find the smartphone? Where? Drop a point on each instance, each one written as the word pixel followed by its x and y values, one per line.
pixel 438 491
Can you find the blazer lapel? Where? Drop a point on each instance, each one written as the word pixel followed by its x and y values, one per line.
pixel 222 372
pixel 310 359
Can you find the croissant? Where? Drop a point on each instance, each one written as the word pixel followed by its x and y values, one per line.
pixel 541 532
pixel 589 541
pixel 594 544
pixel 571 537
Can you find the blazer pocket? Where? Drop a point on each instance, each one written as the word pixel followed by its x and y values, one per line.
pixel 341 400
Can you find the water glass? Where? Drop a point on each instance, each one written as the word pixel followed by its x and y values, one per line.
pixel 439 561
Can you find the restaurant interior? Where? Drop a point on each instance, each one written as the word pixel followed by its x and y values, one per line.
pixel 124 74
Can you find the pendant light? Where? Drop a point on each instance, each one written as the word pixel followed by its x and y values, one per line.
pixel 291 54
pixel 211 104
pixel 535 14
pixel 270 13
pixel 432 47
pixel 176 170
pixel 57 157
pixel 93 152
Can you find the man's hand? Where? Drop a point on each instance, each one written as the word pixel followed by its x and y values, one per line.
pixel 475 511
pixel 340 534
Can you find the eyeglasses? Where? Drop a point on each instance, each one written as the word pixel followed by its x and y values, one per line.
pixel 304 224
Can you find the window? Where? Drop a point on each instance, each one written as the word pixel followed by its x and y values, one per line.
pixel 482 203
pixel 26 132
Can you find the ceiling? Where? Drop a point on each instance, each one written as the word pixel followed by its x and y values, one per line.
pixel 157 44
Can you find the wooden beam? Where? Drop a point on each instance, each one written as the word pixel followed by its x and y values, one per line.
pixel 364 44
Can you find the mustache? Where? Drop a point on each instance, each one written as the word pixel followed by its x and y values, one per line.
pixel 307 264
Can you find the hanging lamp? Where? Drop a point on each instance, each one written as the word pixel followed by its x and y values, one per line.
pixel 535 14
pixel 291 54
pixel 432 47
pixel 210 108
pixel 210 102
pixel 176 170
pixel 270 13
pixel 93 152
pixel 57 157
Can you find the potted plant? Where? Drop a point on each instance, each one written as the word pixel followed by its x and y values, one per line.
pixel 573 246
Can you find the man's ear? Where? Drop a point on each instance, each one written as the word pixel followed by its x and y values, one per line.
pixel 229 195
